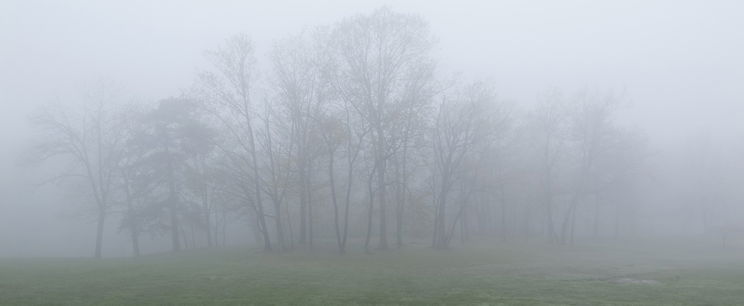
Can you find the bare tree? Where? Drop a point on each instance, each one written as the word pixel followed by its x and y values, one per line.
pixel 134 180
pixel 90 138
pixel 549 121
pixel 302 71
pixel 379 56
pixel 227 89
pixel 463 125
pixel 591 125
pixel 279 149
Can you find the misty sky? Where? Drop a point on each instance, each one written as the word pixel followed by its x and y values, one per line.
pixel 681 63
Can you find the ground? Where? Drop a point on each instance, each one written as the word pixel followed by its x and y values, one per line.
pixel 489 273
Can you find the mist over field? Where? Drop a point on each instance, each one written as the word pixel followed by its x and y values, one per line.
pixel 436 152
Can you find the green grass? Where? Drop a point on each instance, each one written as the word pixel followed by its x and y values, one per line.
pixel 500 274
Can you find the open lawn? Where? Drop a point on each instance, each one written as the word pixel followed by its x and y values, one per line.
pixel 495 274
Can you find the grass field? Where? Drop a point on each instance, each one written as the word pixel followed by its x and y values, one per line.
pixel 500 274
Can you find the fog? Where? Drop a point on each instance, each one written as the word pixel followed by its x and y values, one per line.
pixel 674 67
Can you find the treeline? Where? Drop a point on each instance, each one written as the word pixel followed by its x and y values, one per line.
pixel 351 135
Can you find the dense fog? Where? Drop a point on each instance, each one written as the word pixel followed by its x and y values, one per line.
pixel 139 127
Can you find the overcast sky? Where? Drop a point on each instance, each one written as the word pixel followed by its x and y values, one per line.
pixel 680 62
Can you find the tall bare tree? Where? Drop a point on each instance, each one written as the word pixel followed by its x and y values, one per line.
pixel 302 71
pixel 227 91
pixel 379 56
pixel 464 124
pixel 590 126
pixel 90 139
pixel 549 122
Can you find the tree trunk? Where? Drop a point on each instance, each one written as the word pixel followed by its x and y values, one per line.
pixel 207 217
pixel 347 205
pixel 278 224
pixel 133 226
pixel 208 224
pixel 382 186
pixel 99 232
pixel 370 210
pixel 400 187
pixel 263 229
pixel 595 226
pixel 133 232
pixel 336 221
pixel 383 245
pixel 548 202
pixel 309 217
pixel 440 227
pixel 175 235
pixel 172 202
pixel 567 227
pixel 303 200
pixel 290 229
